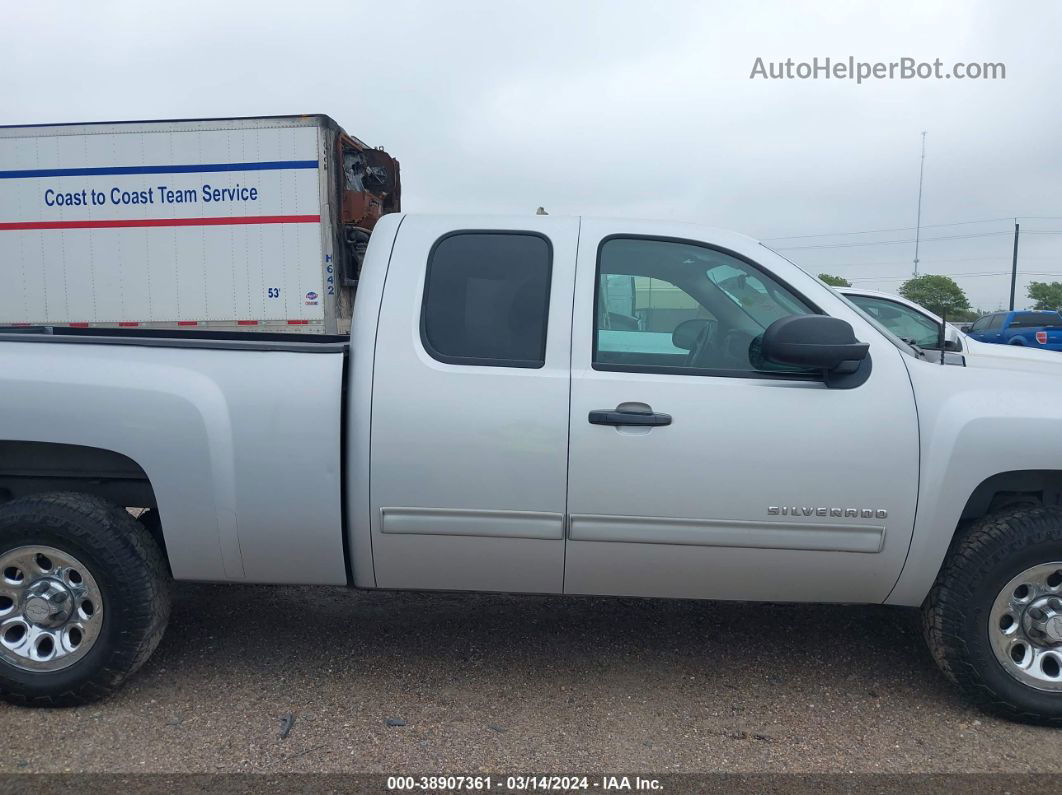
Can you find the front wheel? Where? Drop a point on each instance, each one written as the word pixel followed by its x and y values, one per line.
pixel 84 598
pixel 993 619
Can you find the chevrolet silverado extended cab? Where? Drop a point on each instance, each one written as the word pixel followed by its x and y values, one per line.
pixel 540 405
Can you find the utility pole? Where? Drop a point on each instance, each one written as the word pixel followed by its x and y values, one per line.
pixel 918 224
pixel 1014 265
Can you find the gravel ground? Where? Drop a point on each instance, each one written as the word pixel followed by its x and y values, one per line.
pixel 392 682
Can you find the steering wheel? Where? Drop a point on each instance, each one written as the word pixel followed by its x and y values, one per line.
pixel 704 339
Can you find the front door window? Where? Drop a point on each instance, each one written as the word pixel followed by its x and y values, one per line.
pixel 666 306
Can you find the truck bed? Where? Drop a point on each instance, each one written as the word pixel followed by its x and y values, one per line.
pixel 221 428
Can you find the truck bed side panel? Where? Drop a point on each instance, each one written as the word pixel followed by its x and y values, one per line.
pixel 242 448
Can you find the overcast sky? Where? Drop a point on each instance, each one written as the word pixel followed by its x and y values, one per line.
pixel 617 108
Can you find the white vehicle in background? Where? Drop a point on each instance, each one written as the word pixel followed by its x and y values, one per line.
pixel 914 323
pixel 906 319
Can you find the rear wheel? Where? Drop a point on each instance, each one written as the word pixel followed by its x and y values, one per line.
pixel 994 617
pixel 84 598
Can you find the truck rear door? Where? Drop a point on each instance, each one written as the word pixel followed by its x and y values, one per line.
pixel 469 429
pixel 992 330
pixel 695 471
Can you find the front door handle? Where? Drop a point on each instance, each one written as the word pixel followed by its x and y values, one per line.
pixel 617 417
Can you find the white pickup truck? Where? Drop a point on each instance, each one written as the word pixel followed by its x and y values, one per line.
pixel 541 405
pixel 918 326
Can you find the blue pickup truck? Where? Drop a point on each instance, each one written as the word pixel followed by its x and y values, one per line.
pixel 1031 328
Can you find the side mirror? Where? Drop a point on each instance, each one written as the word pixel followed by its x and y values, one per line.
pixel 685 334
pixel 825 343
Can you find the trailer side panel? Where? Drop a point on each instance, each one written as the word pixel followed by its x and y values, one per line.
pixel 165 224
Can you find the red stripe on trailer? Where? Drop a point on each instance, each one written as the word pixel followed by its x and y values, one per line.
pixel 187 322
pixel 246 322
pixel 137 222
pixel 298 322
pixel 78 325
pixel 128 324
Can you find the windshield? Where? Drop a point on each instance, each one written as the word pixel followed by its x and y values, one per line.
pixel 903 321
pixel 904 346
pixel 748 291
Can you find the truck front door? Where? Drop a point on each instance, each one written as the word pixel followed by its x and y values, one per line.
pixel 470 406
pixel 696 470
pixel 989 328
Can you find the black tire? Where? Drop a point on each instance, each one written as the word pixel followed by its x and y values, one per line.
pixel 134 584
pixel 955 614
pixel 151 521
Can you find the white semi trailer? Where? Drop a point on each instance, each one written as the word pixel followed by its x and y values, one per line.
pixel 253 224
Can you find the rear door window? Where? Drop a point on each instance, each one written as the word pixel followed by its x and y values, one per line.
pixel 486 299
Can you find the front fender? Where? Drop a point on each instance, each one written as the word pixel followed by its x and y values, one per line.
pixel 973 423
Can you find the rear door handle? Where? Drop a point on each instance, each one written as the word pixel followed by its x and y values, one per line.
pixel 616 417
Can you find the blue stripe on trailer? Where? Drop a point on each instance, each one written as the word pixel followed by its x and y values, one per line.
pixel 195 168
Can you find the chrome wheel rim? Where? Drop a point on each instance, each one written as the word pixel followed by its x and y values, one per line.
pixel 1025 627
pixel 51 611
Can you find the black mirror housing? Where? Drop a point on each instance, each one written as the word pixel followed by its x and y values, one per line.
pixel 818 341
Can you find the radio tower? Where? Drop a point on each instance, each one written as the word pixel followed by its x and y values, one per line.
pixel 918 223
